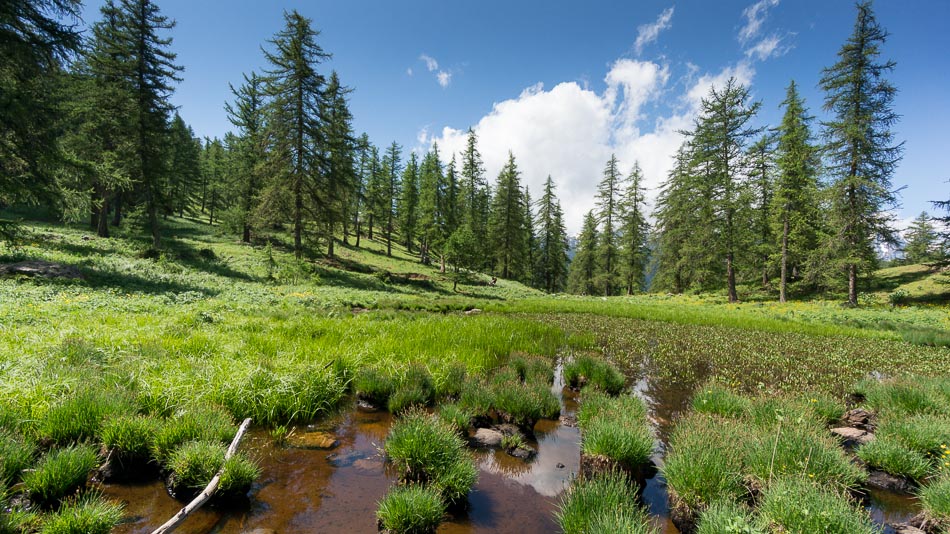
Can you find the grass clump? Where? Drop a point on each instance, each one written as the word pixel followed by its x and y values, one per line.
pixel 615 428
pixel 892 457
pixel 935 498
pixel 727 517
pixel 428 451
pixel 79 417
pixel 16 454
pixel 533 369
pixel 719 400
pixel 130 437
pixel 90 514
pixel 412 509
pixel 195 424
pixel 476 398
pixel 795 505
pixel 586 370
pixel 523 404
pixel 415 389
pixel 195 463
pixel 60 473
pixel 373 385
pixel 457 417
pixel 285 396
pixel 907 396
pixel 448 383
pixel 602 504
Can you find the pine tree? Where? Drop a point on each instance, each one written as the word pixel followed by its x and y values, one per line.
pixel 393 167
pixel 608 203
pixel 450 209
pixel 760 191
pixel 338 160
pixel 584 268
pixel 375 189
pixel 922 241
pixel 431 204
pixel 634 229
pixel 860 148
pixel 475 196
pixel 506 225
pixel 409 202
pixel 248 114
pixel 214 178
pixel 795 211
pixel 294 128
pixel 35 39
pixel 720 137
pixel 551 266
pixel 362 179
pixel 184 166
pixel 532 251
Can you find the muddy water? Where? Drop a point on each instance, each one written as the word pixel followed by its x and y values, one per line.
pixel 336 491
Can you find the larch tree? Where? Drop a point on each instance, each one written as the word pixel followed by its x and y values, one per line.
pixel 295 89
pixel 761 189
pixel 431 229
pixel 338 160
pixel 584 268
pixel 184 168
pixel 393 167
pixel 922 244
pixel 506 225
pixel 248 115
pixel 475 196
pixel 408 203
pixel 634 229
pixel 552 261
pixel 608 210
pixel 860 148
pixel 795 209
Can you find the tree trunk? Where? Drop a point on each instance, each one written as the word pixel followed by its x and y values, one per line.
pixel 330 247
pixel 781 287
pixel 852 284
pixel 117 215
pixel 102 225
pixel 298 219
pixel 370 235
pixel 246 236
pixel 358 232
pixel 731 278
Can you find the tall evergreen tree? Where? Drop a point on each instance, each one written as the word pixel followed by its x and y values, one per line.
pixel 362 179
pixel 761 189
pixel 506 226
pixel 214 178
pixel 431 206
pixel 294 128
pixel 248 115
pixel 475 201
pixel 608 205
pixel 451 211
pixel 634 229
pixel 338 160
pixel 860 147
pixel 584 268
pixel 184 168
pixel 532 252
pixel 375 189
pixel 684 226
pixel 551 265
pixel 409 202
pixel 921 241
pixel 721 135
pixel 394 168
pixel 795 209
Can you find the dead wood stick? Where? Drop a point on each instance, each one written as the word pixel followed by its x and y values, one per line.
pixel 209 490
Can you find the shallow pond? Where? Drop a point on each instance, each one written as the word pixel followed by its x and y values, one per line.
pixel 336 491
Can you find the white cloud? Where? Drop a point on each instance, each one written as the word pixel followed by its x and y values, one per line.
pixel 445 78
pixel 648 33
pixel 755 16
pixel 430 62
pixel 767 47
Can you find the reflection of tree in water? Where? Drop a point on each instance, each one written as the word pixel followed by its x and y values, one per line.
pixel 500 462
pixel 669 393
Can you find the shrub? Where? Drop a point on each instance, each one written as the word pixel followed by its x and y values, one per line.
pixel 412 509
pixel 718 400
pixel 586 370
pixel 16 454
pixel 195 463
pixel 603 504
pixel 90 514
pixel 59 473
pixel 891 456
pixel 373 385
pixel 195 424
pixel 797 505
pixel 79 417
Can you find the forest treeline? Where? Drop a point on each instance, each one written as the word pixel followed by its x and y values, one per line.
pixel 87 128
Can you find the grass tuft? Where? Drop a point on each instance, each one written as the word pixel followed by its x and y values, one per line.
pixel 727 517
pixel 415 389
pixel 412 509
pixel 796 505
pixel 586 370
pixel 60 473
pixel 195 424
pixel 457 417
pixel 16 454
pixel 935 498
pixel 894 458
pixel 603 504
pixel 719 400
pixel 373 385
pixel 90 514
pixel 195 463
pixel 130 437
pixel 79 417
pixel 615 428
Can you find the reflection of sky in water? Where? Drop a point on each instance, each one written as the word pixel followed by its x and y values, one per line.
pixel 561 445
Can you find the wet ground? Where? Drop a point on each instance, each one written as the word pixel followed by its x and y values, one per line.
pixel 336 491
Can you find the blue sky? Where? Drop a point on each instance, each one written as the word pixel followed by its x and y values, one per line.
pixel 563 84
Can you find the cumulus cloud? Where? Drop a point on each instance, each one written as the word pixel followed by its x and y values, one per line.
pixel 755 16
pixel 445 78
pixel 648 33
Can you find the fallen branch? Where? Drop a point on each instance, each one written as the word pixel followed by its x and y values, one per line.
pixel 209 490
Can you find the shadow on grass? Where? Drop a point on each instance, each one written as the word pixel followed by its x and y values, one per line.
pixel 891 282
pixel 133 283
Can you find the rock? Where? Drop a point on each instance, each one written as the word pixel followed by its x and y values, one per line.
pixel 473 311
pixel 568 420
pixel 313 440
pixel 886 481
pixel 852 437
pixel 859 418
pixel 522 453
pixel 43 269
pixel 366 406
pixel 907 529
pixel 487 438
pixel 560 465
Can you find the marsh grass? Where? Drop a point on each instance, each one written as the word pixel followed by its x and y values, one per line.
pixel 603 504
pixel 130 437
pixel 373 385
pixel 16 454
pixel 907 396
pixel 90 514
pixel 271 397
pixel 532 369
pixel 716 399
pixel 457 417
pixel 414 388
pixel 195 424
pixel 59 473
pixel 894 458
pixel 448 383
pixel 195 463
pixel 523 404
pixel 426 450
pixel 728 517
pixel 935 499
pixel 79 417
pixel 586 370
pixel 797 505
pixel 411 509
pixel 615 428
pixel 476 398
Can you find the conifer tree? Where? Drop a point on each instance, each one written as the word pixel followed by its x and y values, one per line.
pixel 375 189
pixel 795 211
pixel 531 241
pixel 409 202
pixel 431 229
pixel 551 266
pixel 475 196
pixel 608 203
pixel 184 167
pixel 294 128
pixel 248 115
pixel 760 193
pixel 214 178
pixel 338 160
pixel 506 225
pixel 393 167
pixel 860 148
pixel 450 203
pixel 584 268
pixel 634 229
pixel 362 179
pixel 922 241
